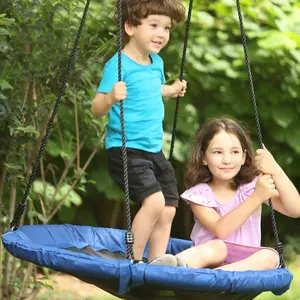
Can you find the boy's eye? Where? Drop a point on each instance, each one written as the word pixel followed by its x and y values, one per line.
pixel 153 25
pixel 236 152
pixel 168 28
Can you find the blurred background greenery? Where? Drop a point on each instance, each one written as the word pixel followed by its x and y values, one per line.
pixel 73 185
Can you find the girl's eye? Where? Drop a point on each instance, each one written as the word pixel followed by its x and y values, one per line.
pixel 217 152
pixel 236 152
pixel 153 25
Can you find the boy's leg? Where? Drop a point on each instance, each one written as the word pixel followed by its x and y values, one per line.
pixel 160 235
pixel 265 259
pixel 210 254
pixel 144 222
pixel 164 174
pixel 144 190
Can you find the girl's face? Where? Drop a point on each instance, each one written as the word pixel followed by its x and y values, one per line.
pixel 224 156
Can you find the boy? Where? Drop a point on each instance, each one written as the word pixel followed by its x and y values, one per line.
pixel 152 182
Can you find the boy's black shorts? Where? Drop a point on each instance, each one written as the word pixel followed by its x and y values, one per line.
pixel 148 173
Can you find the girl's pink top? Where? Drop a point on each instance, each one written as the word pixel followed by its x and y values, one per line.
pixel 248 234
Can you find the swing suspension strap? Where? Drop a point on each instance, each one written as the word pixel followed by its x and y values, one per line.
pixel 278 244
pixel 129 238
pixel 185 44
pixel 22 205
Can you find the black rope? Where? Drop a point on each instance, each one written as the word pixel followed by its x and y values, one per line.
pixel 129 237
pixel 22 205
pixel 278 244
pixel 185 44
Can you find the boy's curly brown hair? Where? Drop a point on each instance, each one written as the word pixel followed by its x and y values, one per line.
pixel 135 10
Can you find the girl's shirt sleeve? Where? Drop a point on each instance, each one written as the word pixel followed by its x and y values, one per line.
pixel 200 194
pixel 248 188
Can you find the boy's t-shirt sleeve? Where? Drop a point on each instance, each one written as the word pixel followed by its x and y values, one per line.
pixel 109 77
pixel 159 65
pixel 163 79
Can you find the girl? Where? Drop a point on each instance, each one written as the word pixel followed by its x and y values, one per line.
pixel 225 195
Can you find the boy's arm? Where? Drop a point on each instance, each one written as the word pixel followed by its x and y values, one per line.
pixel 167 91
pixel 102 104
pixel 178 88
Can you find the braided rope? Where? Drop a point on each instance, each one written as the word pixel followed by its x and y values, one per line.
pixel 185 44
pixel 22 205
pixel 129 236
pixel 278 244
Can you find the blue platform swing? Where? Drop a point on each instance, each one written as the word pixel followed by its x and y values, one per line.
pixel 104 256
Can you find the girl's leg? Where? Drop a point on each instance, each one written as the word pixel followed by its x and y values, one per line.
pixel 160 235
pixel 210 254
pixel 145 220
pixel 265 259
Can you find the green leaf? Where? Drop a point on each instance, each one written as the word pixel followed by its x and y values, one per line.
pixel 28 129
pixel 4 31
pixel 47 190
pixel 43 189
pixel 33 214
pixel 72 198
pixel 53 148
pixel 278 40
pixel 4 85
pixel 5 21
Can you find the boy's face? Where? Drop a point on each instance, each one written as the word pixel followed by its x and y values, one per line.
pixel 152 35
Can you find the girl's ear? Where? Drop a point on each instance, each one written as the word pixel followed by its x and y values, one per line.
pixel 244 156
pixel 128 28
pixel 204 161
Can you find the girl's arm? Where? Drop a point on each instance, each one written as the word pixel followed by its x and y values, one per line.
pixel 288 200
pixel 224 226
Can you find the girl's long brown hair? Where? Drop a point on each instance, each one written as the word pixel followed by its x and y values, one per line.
pixel 197 172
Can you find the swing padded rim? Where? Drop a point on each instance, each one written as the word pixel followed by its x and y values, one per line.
pixel 46 245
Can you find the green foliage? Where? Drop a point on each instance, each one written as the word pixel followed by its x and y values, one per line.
pixel 48 191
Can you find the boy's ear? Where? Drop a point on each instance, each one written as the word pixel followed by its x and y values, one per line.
pixel 128 28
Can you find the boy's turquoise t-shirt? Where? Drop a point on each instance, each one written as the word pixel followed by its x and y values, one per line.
pixel 143 107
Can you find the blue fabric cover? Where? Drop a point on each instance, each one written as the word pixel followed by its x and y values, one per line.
pixel 41 245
